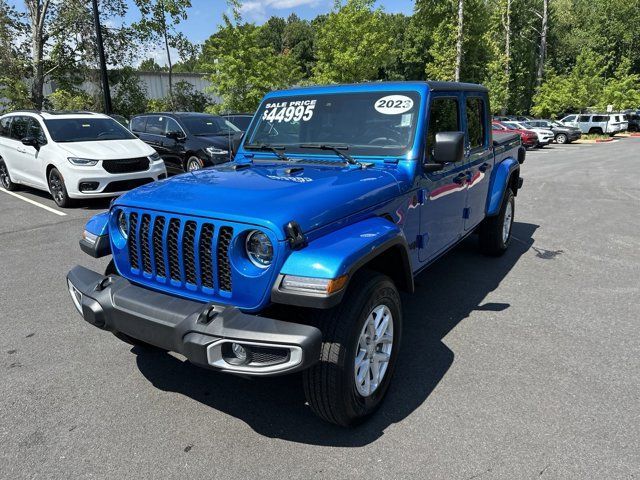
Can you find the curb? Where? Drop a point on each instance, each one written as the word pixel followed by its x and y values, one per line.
pixel 604 140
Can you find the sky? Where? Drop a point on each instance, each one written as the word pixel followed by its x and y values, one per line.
pixel 204 16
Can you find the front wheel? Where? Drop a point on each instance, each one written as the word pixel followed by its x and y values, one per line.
pixel 361 339
pixel 193 164
pixel 495 232
pixel 58 189
pixel 561 138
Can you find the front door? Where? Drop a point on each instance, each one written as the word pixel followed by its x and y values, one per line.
pixel 479 154
pixel 444 192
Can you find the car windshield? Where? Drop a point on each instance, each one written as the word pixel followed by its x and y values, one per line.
pixel 365 123
pixel 515 125
pixel 204 126
pixel 86 130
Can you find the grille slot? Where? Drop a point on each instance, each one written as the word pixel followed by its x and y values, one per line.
pixel 205 252
pixel 188 254
pixel 158 246
pixel 133 241
pixel 224 267
pixel 126 165
pixel 144 243
pixel 172 249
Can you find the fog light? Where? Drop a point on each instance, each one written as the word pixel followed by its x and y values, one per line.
pixel 76 296
pixel 88 186
pixel 239 351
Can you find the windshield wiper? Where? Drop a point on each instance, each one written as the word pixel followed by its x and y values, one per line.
pixel 337 149
pixel 275 149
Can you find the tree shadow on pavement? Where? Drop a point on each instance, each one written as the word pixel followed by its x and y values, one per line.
pixel 446 293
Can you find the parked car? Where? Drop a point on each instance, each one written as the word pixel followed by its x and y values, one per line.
pixel 545 136
pixel 188 141
pixel 634 121
pixel 562 133
pixel 328 219
pixel 512 118
pixel 73 155
pixel 593 123
pixel 528 138
pixel 622 121
pixel 240 120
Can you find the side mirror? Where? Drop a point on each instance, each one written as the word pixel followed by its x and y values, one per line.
pixel 31 142
pixel 448 148
pixel 174 136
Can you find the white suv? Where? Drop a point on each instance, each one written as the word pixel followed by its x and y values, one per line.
pixel 74 155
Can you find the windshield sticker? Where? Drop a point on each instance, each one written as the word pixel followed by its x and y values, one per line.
pixel 393 104
pixel 290 111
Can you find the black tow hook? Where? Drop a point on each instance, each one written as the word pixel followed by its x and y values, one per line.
pixel 104 283
pixel 209 313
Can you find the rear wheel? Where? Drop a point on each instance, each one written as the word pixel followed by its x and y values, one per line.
pixel 561 138
pixel 5 178
pixel 495 232
pixel 596 130
pixel 361 338
pixel 58 189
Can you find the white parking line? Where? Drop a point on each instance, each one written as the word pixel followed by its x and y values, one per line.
pixel 33 202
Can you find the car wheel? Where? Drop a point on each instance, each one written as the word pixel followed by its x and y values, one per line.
pixel 495 231
pixel 361 338
pixel 597 131
pixel 5 178
pixel 561 138
pixel 193 164
pixel 58 189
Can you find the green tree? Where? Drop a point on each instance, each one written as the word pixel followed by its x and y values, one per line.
pixel 353 44
pixel 70 100
pixel 130 95
pixel 242 69
pixel 150 65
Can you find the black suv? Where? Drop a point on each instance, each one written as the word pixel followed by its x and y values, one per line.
pixel 188 141
pixel 562 133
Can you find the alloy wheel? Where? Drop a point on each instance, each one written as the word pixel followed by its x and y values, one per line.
pixel 506 225
pixel 5 180
pixel 374 350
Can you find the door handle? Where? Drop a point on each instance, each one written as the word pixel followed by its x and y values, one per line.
pixel 485 166
pixel 460 179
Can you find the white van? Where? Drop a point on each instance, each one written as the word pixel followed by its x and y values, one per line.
pixel 74 155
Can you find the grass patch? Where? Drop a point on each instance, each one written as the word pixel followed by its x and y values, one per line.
pixel 595 136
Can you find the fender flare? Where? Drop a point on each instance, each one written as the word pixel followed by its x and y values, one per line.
pixel 500 179
pixel 343 252
pixel 97 225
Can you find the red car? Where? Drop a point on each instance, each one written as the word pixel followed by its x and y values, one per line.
pixel 529 139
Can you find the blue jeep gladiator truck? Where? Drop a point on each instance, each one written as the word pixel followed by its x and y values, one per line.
pixel 291 258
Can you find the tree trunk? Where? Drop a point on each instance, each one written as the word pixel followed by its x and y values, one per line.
pixel 459 39
pixel 543 42
pixel 37 16
pixel 507 55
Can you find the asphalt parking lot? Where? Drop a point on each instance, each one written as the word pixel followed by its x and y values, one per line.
pixel 526 366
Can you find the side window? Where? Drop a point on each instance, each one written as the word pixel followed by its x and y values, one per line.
pixel 584 118
pixel 173 127
pixel 137 124
pixel 570 118
pixel 19 127
pixel 35 130
pixel 444 116
pixel 475 122
pixel 5 127
pixel 156 125
pixel 600 118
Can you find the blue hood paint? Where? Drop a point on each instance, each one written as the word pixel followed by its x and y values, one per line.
pixel 264 194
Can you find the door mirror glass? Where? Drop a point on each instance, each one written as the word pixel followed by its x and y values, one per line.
pixel 31 142
pixel 448 147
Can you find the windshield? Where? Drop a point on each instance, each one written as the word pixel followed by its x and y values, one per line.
pixel 367 123
pixel 204 126
pixel 86 130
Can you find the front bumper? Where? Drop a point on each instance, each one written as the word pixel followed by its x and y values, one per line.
pixel 201 332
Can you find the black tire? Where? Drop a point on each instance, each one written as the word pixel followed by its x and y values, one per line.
pixel 595 130
pixel 562 138
pixel 5 178
pixel 330 385
pixel 492 238
pixel 192 164
pixel 58 189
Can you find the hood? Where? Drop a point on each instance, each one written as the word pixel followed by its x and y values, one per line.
pixel 220 140
pixel 107 149
pixel 267 195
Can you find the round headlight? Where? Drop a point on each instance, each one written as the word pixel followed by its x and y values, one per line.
pixel 123 224
pixel 259 249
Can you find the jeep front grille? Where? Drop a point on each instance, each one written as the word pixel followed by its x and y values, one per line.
pixel 184 252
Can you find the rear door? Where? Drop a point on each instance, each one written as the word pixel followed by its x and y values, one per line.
pixel 444 191
pixel 479 158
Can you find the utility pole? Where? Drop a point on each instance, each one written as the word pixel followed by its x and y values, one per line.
pixel 103 64
pixel 459 38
